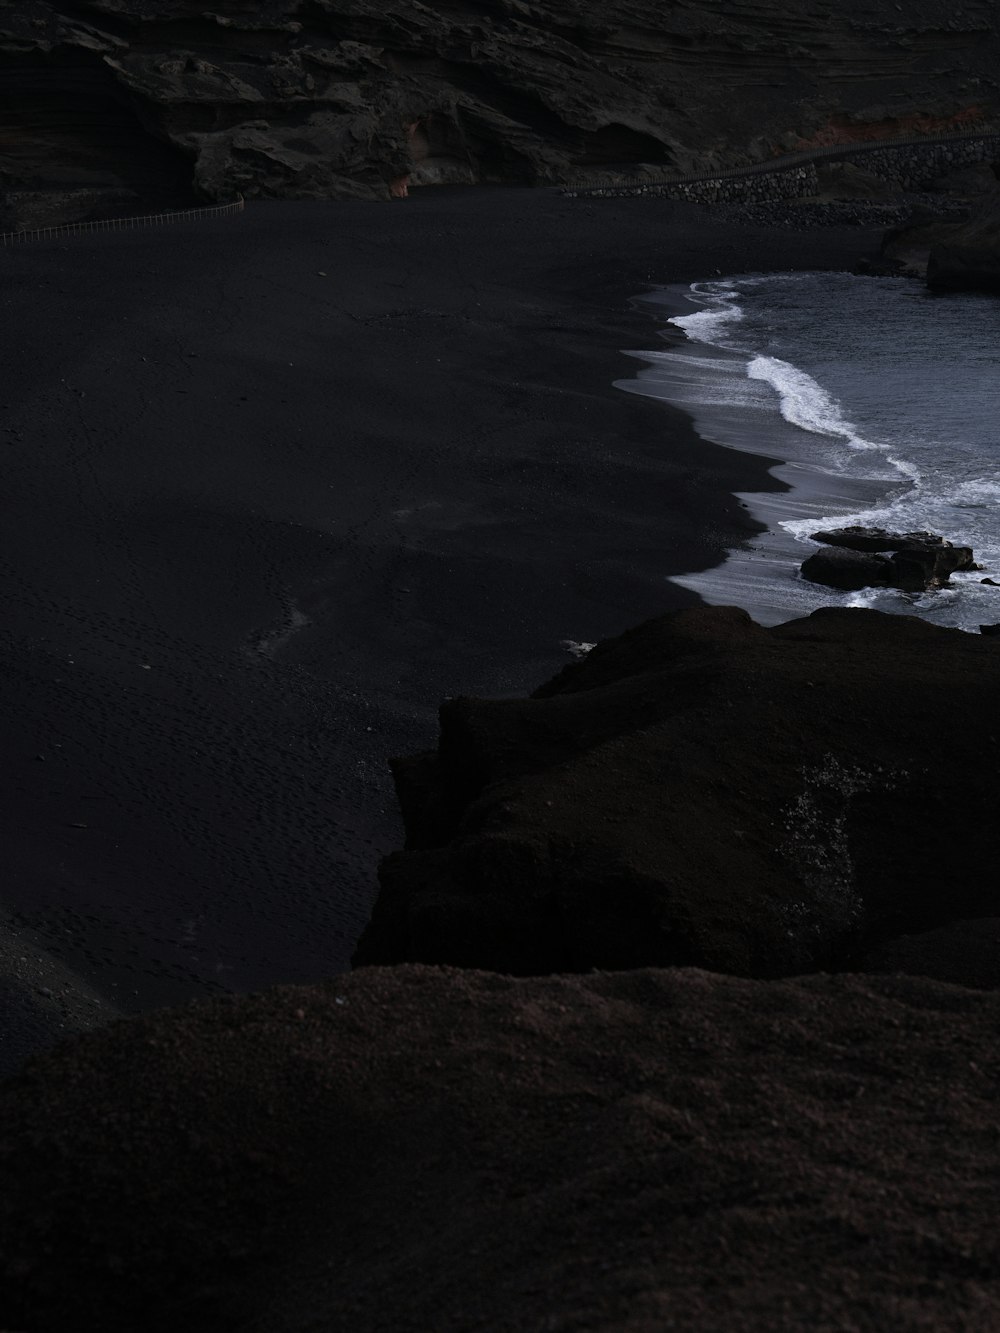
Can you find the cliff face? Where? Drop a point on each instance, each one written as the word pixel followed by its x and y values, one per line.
pixel 342 98
pixel 701 791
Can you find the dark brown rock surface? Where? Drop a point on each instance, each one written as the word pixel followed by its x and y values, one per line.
pixel 413 1149
pixel 906 249
pixel 964 952
pixel 703 791
pixel 968 257
pixel 362 98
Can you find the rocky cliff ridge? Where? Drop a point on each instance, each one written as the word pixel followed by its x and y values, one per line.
pixel 349 98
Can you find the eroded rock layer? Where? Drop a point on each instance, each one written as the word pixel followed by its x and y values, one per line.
pixel 327 98
pixel 704 791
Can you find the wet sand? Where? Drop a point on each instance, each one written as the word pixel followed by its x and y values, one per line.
pixel 275 486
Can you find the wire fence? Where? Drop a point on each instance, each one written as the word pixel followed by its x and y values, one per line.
pixel 8 238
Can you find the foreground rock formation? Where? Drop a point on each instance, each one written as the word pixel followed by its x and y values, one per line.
pixel 108 100
pixel 412 1149
pixel 703 791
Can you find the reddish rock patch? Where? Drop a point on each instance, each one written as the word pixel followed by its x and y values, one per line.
pixel 846 130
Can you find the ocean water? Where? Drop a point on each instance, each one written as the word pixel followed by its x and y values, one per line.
pixel 880 404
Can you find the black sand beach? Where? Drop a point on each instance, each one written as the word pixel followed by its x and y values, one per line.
pixel 273 488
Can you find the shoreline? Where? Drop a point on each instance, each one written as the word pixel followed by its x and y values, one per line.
pixel 755 574
pixel 710 380
pixel 391 429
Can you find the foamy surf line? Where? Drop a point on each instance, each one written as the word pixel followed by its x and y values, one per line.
pixel 719 368
pixel 802 401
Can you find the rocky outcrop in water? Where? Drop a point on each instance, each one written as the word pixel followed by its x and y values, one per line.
pixel 704 791
pixel 859 538
pixel 347 98
pixel 857 557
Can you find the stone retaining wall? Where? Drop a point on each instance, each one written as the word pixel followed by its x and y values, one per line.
pixel 913 164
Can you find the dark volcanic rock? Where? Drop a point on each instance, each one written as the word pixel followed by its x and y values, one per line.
pixel 847 570
pixel 917 568
pixel 969 256
pixel 857 538
pixel 413 1149
pixel 978 178
pixel 966 953
pixel 367 97
pixel 852 558
pixel 704 791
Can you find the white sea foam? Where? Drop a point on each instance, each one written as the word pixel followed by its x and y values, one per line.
pixel 716 320
pixel 804 402
pixel 966 514
pixel 976 493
